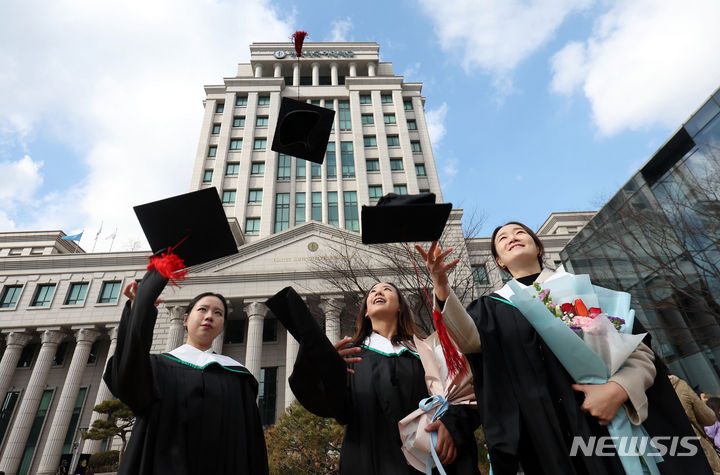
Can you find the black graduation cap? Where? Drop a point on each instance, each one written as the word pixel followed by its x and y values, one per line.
pixel 194 225
pixel 404 218
pixel 303 130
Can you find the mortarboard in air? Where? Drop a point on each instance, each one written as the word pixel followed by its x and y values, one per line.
pixel 302 130
pixel 404 218
pixel 192 227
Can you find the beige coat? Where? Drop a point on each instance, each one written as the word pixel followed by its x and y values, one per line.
pixel 700 415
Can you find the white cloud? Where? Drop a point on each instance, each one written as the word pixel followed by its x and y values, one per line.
pixel 122 86
pixel 648 62
pixel 20 180
pixel 411 72
pixel 496 35
pixel 340 30
pixel 435 119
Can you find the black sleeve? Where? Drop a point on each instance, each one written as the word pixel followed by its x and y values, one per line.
pixel 462 421
pixel 128 373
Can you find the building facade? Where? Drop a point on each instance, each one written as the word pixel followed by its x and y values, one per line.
pixel 659 239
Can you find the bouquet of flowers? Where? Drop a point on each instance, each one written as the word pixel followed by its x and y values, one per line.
pixel 419 445
pixel 576 325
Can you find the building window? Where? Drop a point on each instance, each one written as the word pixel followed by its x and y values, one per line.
pixel 6 412
pixel 109 291
pixel 232 168
pixel 480 275
pixel 267 395
pixel 393 141
pixel 300 168
pixel 207 176
pixel 415 146
pixel 367 119
pixel 43 295
pixel 252 226
pixel 60 353
pixel 35 431
pixel 260 144
pixel 264 100
pixel 375 192
pixel 370 141
pixel 344 114
pixel 407 104
pixel 365 99
pixel 333 218
pixel 330 161
pixel 26 356
pixel 238 121
pixel 283 170
pixel 412 125
pixel 92 356
pixel 255 196
pixel 386 98
pixel 424 190
pixel 257 168
pixel 76 294
pixel 352 221
pixel 347 159
pixel 261 121
pixel 236 144
pixel 74 418
pixel 316 102
pixel 420 169
pixel 315 170
pixel 216 129
pixel 396 164
pixel 282 211
pixel 269 330
pixel 10 296
pixel 316 206
pixel 372 165
pixel 219 108
pixel 400 189
pixel 212 151
pixel 299 208
pixel 234 332
pixel 389 118
pixel 241 101
pixel 228 197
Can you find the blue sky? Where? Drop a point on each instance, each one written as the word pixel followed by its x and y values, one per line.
pixel 535 106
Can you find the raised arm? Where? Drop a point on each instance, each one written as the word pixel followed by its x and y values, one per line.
pixel 128 373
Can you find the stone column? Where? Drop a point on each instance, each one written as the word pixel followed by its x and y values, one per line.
pixel 371 69
pixel 277 70
pixel 217 344
pixel 176 332
pixel 291 350
pixel 103 394
pixel 258 70
pixel 296 74
pixel 256 312
pixel 315 74
pixel 64 409
pixel 17 438
pixel 332 308
pixel 333 74
pixel 16 341
pixel 353 70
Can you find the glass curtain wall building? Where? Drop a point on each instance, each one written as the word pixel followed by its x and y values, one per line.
pixel 659 239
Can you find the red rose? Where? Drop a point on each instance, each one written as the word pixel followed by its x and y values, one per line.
pixel 594 312
pixel 567 308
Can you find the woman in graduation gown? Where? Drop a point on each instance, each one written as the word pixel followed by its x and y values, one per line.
pixel 529 405
pixel 195 410
pixel 382 383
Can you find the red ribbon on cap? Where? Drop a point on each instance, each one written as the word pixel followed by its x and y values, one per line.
pixel 298 37
pixel 170 265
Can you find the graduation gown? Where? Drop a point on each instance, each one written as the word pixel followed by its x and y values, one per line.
pixel 191 417
pixel 530 412
pixel 387 385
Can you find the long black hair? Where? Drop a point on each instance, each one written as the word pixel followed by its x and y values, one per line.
pixel 406 327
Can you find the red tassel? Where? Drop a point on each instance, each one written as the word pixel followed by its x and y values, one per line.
pixel 170 266
pixel 454 360
pixel 298 37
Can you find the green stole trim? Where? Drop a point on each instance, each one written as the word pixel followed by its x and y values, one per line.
pixel 390 354
pixel 503 300
pixel 203 367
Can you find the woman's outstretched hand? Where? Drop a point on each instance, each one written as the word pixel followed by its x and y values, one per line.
pixel 438 269
pixel 131 290
pixel 347 353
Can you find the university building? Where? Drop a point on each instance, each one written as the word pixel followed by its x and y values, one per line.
pixel 293 221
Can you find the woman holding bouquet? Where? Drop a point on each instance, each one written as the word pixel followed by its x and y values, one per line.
pixel 531 409
pixel 382 382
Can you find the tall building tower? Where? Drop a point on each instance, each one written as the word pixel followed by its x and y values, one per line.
pixel 379 141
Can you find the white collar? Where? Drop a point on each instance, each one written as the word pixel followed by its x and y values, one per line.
pixel 545 276
pixel 381 344
pixel 196 357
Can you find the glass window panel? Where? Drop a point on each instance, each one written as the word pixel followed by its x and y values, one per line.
pixel 10 296
pixel 228 197
pixel 352 221
pixel 396 164
pixel 372 165
pixel 241 101
pixel 232 169
pixel 257 168
pixel 375 192
pixel 109 292
pixel 282 211
pixel 43 295
pixel 236 144
pixel 207 176
pixel 347 159
pixel 284 167
pixel 316 206
pixel 333 217
pixel 76 294
pixel 238 121
pixel 255 196
pixel 299 208
pixel 252 226
pixel 331 161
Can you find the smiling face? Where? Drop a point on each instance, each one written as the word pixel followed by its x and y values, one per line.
pixel 205 321
pixel 515 247
pixel 382 299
